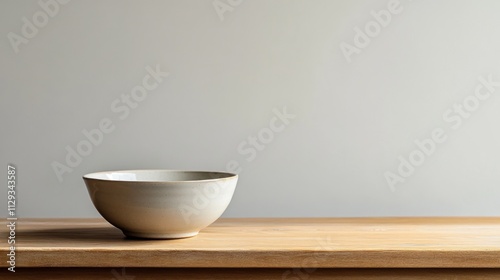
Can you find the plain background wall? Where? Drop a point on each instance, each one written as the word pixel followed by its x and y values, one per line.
pixel 228 73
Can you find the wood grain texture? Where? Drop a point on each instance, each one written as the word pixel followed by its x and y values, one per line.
pixel 267 243
pixel 248 273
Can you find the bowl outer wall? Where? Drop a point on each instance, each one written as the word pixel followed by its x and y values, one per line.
pixel 161 207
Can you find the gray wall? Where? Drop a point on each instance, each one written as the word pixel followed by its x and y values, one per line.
pixel 388 117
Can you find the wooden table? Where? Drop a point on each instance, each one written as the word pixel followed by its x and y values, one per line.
pixel 308 248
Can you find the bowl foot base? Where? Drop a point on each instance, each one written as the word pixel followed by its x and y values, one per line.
pixel 159 235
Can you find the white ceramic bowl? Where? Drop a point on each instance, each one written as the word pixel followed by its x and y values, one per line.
pixel 161 204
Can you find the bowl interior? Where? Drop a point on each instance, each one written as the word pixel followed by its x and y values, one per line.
pixel 157 175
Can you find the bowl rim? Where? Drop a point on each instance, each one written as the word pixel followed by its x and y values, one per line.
pixel 230 175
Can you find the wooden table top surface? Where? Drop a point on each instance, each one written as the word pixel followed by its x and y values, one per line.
pixel 266 242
